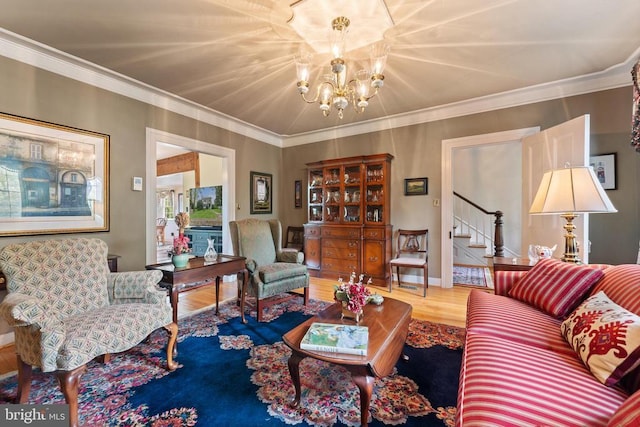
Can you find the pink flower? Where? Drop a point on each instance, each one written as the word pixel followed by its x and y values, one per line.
pixel 354 293
pixel 180 245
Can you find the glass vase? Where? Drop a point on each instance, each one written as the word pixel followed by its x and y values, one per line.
pixel 210 254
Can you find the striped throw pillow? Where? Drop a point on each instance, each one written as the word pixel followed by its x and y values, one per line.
pixel 555 287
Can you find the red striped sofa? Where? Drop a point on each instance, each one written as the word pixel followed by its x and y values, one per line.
pixel 518 369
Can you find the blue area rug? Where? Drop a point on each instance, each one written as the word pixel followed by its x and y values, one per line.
pixel 232 374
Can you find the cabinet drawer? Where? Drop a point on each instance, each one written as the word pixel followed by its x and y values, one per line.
pixel 340 268
pixel 341 232
pixel 311 231
pixel 340 253
pixel 341 243
pixel 374 233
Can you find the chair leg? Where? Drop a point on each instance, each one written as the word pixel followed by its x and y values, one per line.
pixel 24 381
pixel 426 280
pixel 390 277
pixel 172 329
pixel 259 309
pixel 69 383
pixel 306 296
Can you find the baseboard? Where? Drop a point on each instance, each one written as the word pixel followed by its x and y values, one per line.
pixel 417 280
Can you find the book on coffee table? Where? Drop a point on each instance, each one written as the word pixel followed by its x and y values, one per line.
pixel 336 338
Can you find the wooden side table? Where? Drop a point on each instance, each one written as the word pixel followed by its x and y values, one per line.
pixel 512 264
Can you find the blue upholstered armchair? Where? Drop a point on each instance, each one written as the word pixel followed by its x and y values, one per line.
pixel 273 270
pixel 67 308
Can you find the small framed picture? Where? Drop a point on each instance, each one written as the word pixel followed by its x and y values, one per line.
pixel 416 186
pixel 604 166
pixel 297 193
pixel 260 194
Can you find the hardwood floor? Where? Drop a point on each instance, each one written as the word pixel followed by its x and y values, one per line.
pixel 448 306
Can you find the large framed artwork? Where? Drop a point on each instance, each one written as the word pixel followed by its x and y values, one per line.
pixel 261 193
pixel 53 178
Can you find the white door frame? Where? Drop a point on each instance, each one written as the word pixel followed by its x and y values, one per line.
pixel 228 156
pixel 448 145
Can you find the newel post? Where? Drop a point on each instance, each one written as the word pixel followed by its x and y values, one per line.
pixel 498 239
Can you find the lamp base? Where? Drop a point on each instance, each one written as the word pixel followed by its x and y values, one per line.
pixel 570 243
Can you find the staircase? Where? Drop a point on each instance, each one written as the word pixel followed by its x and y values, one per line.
pixel 477 233
pixel 467 253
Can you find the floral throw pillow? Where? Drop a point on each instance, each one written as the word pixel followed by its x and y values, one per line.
pixel 555 287
pixel 605 336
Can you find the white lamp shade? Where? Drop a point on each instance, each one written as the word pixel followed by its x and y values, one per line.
pixel 571 190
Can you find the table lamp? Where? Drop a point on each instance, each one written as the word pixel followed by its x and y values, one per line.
pixel 568 192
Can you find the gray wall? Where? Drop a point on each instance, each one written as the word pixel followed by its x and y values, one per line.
pixel 417 151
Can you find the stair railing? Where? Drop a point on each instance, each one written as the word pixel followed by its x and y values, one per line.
pixel 475 221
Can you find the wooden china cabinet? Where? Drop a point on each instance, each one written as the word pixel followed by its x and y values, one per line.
pixel 348 211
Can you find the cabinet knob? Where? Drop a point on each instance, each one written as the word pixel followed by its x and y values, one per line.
pixel 352 244
pixel 373 258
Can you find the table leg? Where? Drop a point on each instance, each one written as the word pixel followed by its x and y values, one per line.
pixel 365 384
pixel 173 299
pixel 217 293
pixel 243 293
pixel 294 371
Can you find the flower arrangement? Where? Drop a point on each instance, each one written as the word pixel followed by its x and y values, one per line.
pixel 354 294
pixel 182 221
pixel 180 245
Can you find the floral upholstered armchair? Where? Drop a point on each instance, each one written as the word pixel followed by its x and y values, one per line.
pixel 273 270
pixel 67 308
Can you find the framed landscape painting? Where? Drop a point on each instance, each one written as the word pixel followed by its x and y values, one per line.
pixel 415 186
pixel 261 193
pixel 53 178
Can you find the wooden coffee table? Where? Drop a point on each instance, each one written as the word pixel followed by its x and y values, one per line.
pixel 388 328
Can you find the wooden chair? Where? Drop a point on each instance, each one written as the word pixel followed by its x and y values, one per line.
pixel 412 252
pixel 295 238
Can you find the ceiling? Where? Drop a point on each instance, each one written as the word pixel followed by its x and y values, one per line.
pixel 236 56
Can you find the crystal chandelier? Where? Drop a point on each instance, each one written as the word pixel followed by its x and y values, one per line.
pixel 334 88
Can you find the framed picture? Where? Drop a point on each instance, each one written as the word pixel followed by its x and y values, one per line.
pixel 261 189
pixel 53 178
pixel 604 165
pixel 416 186
pixel 297 194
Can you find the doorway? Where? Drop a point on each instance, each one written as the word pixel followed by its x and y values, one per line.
pixel 448 147
pixel 227 155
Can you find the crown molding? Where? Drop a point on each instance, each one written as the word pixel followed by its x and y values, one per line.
pixel 30 52
pixel 611 78
pixel 50 59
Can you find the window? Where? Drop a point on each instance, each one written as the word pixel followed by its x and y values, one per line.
pixel 36 151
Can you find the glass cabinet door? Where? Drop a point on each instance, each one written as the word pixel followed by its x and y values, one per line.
pixel 315 196
pixel 332 194
pixel 375 197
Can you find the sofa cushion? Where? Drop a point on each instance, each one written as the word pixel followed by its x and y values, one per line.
pixel 628 414
pixel 554 286
pixel 505 383
pixel 621 283
pixel 510 319
pixel 280 270
pixel 605 336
